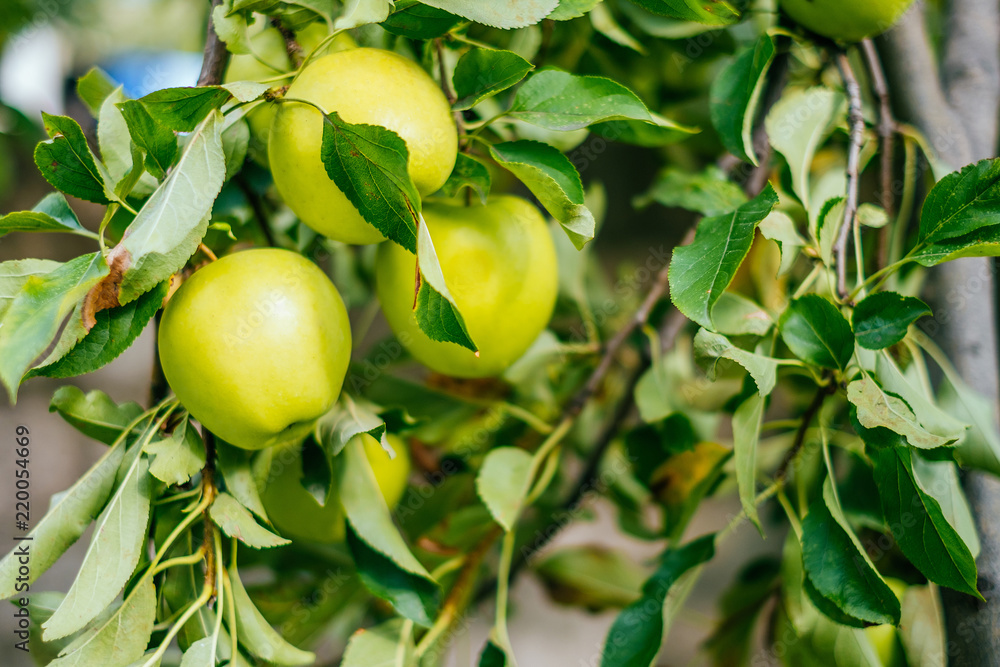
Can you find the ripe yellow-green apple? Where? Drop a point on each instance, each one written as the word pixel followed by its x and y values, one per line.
pixel 499 264
pixel 369 86
pixel 296 512
pixel 883 638
pixel 256 345
pixel 846 20
pixel 269 46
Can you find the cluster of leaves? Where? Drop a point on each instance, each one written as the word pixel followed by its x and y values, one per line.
pixel 873 449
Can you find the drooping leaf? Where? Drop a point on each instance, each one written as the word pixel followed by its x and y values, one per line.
pixel 708 192
pixel 122 158
pixel 922 629
pixel 710 348
pixel 511 14
pixel 503 482
pixel 52 214
pixel 797 125
pixel 113 332
pixel 381 646
pixel 926 538
pixel 184 109
pixel 710 12
pixel 637 633
pixel 591 576
pixel 390 570
pixel 119 536
pixel 984 242
pixel 34 317
pixel 780 228
pixel 178 458
pixel 234 464
pixel 437 314
pixel 65 521
pixel 838 566
pixel 701 272
pixel 469 172
pixel 482 73
pixel 881 319
pixel 368 164
pixel 572 9
pixel 736 315
pixel 67 162
pixel 257 635
pixel 417 20
pixel 746 437
pixel 558 100
pixel 878 408
pixel 662 131
pixel 816 332
pixel 961 203
pixel 939 480
pixel 94 414
pixel 362 12
pixel 156 139
pixel 735 94
pixel 347 419
pixel 236 521
pixel 554 180
pixel 119 640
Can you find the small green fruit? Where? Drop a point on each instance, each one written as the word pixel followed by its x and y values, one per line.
pixel 846 20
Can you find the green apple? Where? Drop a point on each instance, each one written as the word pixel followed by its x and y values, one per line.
pixel 846 20
pixel 499 263
pixel 296 512
pixel 368 86
pixel 256 345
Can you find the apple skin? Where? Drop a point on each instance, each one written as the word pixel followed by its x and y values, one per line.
pixel 499 263
pixel 298 515
pixel 256 345
pixel 846 20
pixel 368 86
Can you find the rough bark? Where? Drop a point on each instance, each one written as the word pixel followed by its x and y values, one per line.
pixel 956 108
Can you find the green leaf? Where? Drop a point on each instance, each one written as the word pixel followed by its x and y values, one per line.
pixel 939 480
pixel 257 635
pixel 984 242
pixel 368 164
pixel 436 312
pixel 15 273
pixel 918 525
pixel 67 162
pixel 873 216
pixel 962 202
pixel 234 463
pixel 33 319
pixel 838 566
pixel 558 100
pixel 114 331
pixel 979 447
pixel 416 20
pixel 710 348
pixel 231 26
pixel 492 656
pixel 482 73
pixel 122 638
pixel 637 633
pixel 157 140
pixel 746 437
pixel 469 172
pixel 52 214
pixel 202 653
pixel 119 537
pixel 362 12
pixel 881 320
pixel 796 127
pixel 381 646
pixel 349 418
pixel 174 219
pixel 572 9
pixel 708 192
pixel 710 12
pixel 736 315
pixel 816 332
pixel 701 272
pixel 236 521
pixel 503 482
pixel 591 576
pixel 64 523
pixel 184 109
pixel 179 457
pixel 371 529
pixel 554 180
pixel 735 96
pixel 780 228
pixel 93 88
pixel 878 408
pixel 122 158
pixel 661 132
pixel 94 414
pixel 510 14
pixel 922 629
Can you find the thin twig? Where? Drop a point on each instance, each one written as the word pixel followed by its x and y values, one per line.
pixel 800 434
pixel 213 66
pixel 292 46
pixel 886 133
pixel 257 206
pixel 857 134
pixel 208 494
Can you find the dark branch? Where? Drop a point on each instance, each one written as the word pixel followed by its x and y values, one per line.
pixel 213 66
pixel 856 121
pixel 292 46
pixel 886 133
